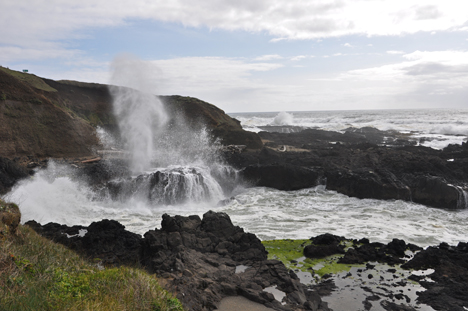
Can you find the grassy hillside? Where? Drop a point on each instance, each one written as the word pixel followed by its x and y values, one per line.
pixel 30 79
pixel 37 274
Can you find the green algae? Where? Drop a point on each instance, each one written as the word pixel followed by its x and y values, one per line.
pixel 290 252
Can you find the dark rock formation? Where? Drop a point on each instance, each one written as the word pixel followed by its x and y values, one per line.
pixel 446 285
pixel 106 239
pixel 363 163
pixel 202 260
pixel 282 176
pixel 324 245
pixel 450 263
pixel 392 253
pixel 10 172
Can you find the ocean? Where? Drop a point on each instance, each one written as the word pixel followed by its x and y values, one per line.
pixel 53 195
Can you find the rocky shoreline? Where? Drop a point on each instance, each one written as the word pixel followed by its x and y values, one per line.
pixel 205 260
pixel 362 163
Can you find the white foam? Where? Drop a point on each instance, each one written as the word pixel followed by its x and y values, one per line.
pixel 283 118
pixel 444 126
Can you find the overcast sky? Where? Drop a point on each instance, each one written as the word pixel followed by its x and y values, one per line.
pixel 254 55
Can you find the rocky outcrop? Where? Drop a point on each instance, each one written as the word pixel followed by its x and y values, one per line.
pixel 442 270
pixel 360 163
pixel 202 260
pixel 449 283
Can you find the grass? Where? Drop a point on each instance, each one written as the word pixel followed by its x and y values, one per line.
pixel 31 79
pixel 37 274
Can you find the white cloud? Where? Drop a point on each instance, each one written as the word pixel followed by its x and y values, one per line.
pixel 221 81
pixel 301 57
pixel 31 23
pixel 348 45
pixel 415 80
pixel 395 52
pixel 428 12
pixel 268 57
pixel 239 84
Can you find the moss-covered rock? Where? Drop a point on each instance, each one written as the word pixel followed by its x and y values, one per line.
pixel 10 217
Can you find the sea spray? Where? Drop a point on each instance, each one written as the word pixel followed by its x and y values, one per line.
pixel 140 114
pixel 283 118
pixel 173 160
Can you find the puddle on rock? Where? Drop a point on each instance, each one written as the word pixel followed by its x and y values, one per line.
pixel 279 295
pixel 364 288
pixel 241 268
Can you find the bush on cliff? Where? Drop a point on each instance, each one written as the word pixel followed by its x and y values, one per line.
pixel 37 274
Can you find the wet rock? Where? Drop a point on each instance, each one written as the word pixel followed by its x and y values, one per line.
pixel 106 240
pixel 198 258
pixel 448 292
pixel 391 306
pixel 281 176
pixel 323 246
pixel 359 163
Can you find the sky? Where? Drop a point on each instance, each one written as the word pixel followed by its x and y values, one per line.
pixel 253 55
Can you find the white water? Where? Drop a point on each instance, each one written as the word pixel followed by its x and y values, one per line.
pixel 54 194
pixel 435 128
pixel 269 213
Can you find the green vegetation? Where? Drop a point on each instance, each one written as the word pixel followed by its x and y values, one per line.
pixel 290 252
pixel 37 274
pixel 31 79
pixel 94 119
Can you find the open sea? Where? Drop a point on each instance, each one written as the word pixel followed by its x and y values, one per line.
pixel 54 195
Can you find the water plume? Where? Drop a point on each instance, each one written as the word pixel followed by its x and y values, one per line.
pixel 175 160
pixel 283 118
pixel 140 114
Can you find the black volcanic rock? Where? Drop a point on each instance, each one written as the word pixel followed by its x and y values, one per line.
pixel 448 291
pixel 324 245
pixel 198 257
pixel 362 163
pixel 282 176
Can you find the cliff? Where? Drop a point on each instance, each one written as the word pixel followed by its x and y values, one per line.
pixel 45 118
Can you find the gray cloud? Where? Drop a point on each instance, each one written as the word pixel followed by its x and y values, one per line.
pixel 436 69
pixel 427 12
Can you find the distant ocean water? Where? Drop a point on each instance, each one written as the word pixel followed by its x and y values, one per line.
pixel 53 195
pixel 435 128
